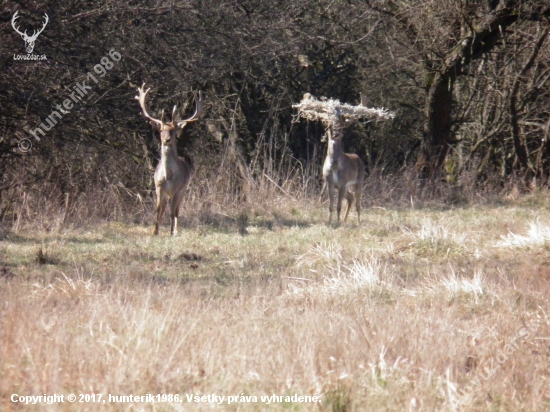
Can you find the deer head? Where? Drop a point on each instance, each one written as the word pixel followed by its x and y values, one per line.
pixel 168 129
pixel 29 40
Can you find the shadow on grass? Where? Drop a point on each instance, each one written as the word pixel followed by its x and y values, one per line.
pixel 237 224
pixel 83 241
pixel 18 239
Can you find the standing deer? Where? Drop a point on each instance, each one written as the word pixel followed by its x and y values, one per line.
pixel 345 172
pixel 173 173
pixel 29 40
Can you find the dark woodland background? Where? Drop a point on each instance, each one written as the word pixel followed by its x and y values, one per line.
pixel 468 80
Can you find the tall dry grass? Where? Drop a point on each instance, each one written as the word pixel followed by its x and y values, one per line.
pixel 412 310
pixel 258 297
pixel 223 196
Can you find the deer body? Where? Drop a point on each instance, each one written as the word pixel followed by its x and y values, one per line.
pixel 345 172
pixel 173 173
pixel 172 177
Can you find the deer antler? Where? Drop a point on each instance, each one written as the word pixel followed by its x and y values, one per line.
pixel 13 19
pixel 173 114
pixel 198 111
pixel 141 99
pixel 36 33
pixel 25 35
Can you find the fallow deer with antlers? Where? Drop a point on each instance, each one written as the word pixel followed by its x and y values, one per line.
pixel 343 171
pixel 173 173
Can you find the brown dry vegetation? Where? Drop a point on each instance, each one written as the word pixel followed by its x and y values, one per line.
pixel 406 312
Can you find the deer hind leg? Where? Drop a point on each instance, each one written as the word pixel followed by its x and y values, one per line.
pixel 349 198
pixel 341 193
pixel 161 206
pixel 330 201
pixel 174 212
pixel 358 202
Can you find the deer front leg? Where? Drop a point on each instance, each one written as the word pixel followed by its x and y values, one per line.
pixel 160 212
pixel 161 206
pixel 173 223
pixel 174 212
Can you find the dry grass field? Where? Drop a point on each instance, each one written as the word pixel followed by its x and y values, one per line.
pixel 432 308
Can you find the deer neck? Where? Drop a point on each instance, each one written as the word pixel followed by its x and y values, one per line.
pixel 168 151
pixel 335 152
pixel 169 159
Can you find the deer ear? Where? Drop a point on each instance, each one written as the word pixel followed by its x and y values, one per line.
pixel 155 125
pixel 180 125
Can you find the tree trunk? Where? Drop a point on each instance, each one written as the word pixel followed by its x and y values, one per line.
pixel 437 130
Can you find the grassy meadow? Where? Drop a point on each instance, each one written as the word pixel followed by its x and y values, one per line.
pixel 419 308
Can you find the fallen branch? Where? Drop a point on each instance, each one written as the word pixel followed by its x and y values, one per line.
pixel 332 113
